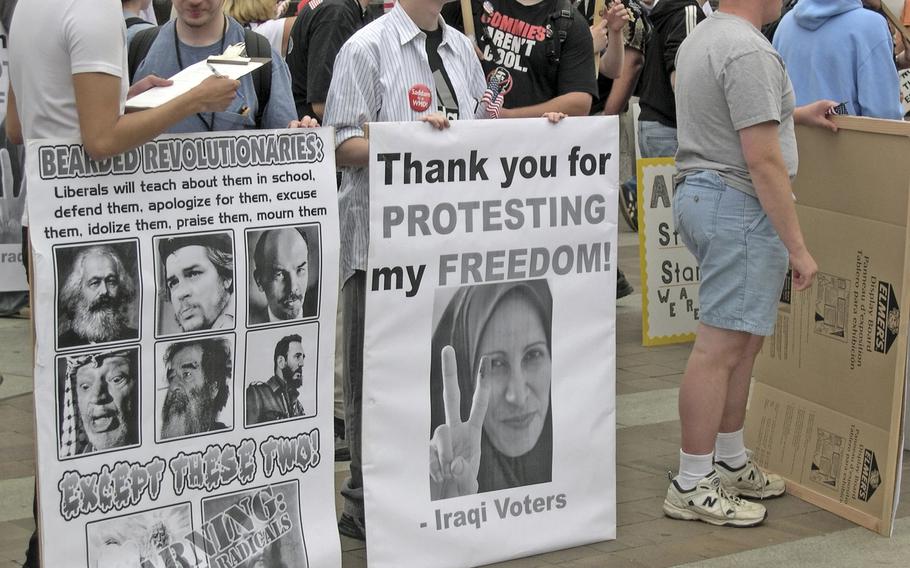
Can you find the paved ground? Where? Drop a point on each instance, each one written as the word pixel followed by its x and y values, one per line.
pixel 796 533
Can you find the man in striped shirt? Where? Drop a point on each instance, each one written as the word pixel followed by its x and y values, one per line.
pixel 407 65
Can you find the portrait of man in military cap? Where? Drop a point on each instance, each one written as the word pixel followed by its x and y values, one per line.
pixel 196 283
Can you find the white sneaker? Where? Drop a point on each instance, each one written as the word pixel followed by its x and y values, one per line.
pixel 750 480
pixel 711 503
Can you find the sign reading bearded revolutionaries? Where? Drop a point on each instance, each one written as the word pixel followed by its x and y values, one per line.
pixel 489 358
pixel 185 313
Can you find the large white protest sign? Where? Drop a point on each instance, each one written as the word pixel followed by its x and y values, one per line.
pixel 492 263
pixel 185 311
pixel 669 272
pixel 12 200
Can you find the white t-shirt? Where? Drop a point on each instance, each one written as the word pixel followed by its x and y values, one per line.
pixel 52 40
pixel 272 30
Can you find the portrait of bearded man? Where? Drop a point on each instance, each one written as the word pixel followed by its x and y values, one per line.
pixel 98 302
pixel 197 375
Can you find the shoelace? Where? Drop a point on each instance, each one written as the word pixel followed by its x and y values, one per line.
pixel 725 497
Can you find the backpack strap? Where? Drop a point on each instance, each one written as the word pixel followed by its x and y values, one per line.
pixel 558 26
pixel 258 46
pixel 139 48
pixel 133 20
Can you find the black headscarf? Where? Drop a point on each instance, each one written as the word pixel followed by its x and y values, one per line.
pixel 462 326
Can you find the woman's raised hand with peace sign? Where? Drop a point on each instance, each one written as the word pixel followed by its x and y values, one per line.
pixel 455 445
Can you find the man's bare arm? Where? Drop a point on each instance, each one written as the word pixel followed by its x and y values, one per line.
pixel 761 149
pixel 319 110
pixel 622 88
pixel 13 126
pixel 105 132
pixel 353 152
pixel 572 104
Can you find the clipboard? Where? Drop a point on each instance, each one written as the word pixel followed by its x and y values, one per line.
pixel 190 77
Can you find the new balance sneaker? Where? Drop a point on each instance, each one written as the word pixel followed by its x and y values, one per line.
pixel 710 502
pixel 750 480
pixel 628 203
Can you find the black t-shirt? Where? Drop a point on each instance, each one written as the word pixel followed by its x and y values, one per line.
pixel 673 21
pixel 445 94
pixel 321 29
pixel 635 35
pixel 517 42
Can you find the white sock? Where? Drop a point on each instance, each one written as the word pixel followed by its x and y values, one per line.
pixel 730 449
pixel 692 469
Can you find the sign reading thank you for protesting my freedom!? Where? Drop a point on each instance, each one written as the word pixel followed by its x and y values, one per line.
pixel 489 358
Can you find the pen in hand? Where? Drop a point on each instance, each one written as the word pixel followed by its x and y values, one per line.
pixel 244 109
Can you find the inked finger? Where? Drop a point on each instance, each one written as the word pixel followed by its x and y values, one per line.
pixel 481 398
pixel 444 449
pixel 451 394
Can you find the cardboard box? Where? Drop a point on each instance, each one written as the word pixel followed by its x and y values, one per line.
pixel 827 404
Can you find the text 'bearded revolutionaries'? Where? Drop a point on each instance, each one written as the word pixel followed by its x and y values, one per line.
pixel 175 154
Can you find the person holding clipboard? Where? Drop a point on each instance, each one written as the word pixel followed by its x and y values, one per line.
pixel 80 87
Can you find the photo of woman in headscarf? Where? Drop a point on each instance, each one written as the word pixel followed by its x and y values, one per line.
pixel 491 418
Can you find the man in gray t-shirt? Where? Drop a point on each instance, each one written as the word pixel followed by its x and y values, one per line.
pixel 734 211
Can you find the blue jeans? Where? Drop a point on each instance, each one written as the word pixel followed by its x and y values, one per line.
pixel 742 260
pixel 656 140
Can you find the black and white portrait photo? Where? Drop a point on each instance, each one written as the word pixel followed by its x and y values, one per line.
pixel 98 401
pixel 98 293
pixel 490 382
pixel 160 538
pixel 266 528
pixel 284 273
pixel 194 386
pixel 195 282
pixel 283 386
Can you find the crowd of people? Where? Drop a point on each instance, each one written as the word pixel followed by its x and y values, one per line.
pixel 714 91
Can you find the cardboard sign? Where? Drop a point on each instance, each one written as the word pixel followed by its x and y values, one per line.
pixel 185 311
pixel 904 76
pixel 827 404
pixel 669 272
pixel 489 343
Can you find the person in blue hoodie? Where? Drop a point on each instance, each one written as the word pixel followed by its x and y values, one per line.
pixel 835 49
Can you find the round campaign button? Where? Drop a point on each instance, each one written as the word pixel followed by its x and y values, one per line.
pixel 419 97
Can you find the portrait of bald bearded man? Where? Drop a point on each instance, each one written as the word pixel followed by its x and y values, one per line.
pixel 197 375
pixel 98 301
pixel 285 273
pixel 100 402
pixel 197 283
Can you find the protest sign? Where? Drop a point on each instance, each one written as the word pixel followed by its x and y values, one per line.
pixel 12 199
pixel 904 77
pixel 827 403
pixel 492 263
pixel 669 272
pixel 185 314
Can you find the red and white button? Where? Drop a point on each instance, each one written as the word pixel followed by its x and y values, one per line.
pixel 420 97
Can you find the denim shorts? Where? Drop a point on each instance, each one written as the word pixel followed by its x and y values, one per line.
pixel 742 260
